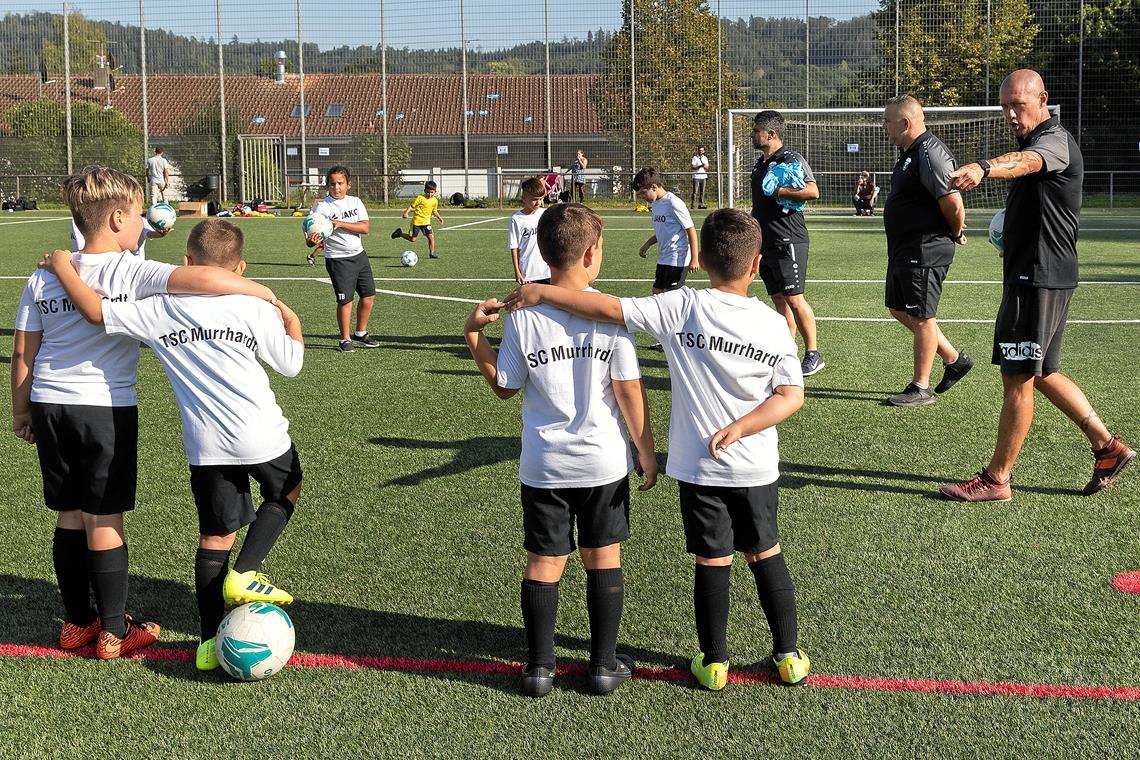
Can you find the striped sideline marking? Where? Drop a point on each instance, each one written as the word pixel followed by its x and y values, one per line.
pixel 645 673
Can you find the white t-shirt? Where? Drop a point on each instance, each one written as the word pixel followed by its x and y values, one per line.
pixel 79 363
pixel 700 166
pixel 342 244
pixel 726 355
pixel 209 346
pixel 521 234
pixel 573 436
pixel 670 220
pixel 155 166
pixel 78 241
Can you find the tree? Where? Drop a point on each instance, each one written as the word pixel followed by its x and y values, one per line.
pixel 943 47
pixel 675 82
pixel 367 153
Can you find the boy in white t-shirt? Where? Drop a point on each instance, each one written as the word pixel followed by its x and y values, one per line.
pixel 232 428
pixel 736 375
pixel 345 258
pixel 73 394
pixel 139 248
pixel 521 237
pixel 575 463
pixel 674 233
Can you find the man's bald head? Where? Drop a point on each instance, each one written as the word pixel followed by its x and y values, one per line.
pixel 904 120
pixel 1024 101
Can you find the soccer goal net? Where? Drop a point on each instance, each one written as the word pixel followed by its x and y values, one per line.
pixel 839 143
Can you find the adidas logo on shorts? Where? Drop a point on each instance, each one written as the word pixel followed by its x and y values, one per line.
pixel 1027 350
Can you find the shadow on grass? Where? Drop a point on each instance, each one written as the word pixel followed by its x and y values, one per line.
pixel 322 628
pixel 845 394
pixel 467 455
pixel 455 345
pixel 795 475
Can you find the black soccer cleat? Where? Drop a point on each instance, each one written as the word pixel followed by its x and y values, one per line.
pixel 397 233
pixel 603 680
pixel 954 372
pixel 537 680
pixel 913 396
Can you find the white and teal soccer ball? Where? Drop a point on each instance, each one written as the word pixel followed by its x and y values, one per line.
pixel 255 641
pixel 997 227
pixel 161 216
pixel 318 223
pixel 409 258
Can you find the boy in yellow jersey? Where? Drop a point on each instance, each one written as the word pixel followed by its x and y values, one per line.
pixel 425 207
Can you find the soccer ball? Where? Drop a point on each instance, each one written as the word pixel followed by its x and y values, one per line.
pixel 161 216
pixel 318 223
pixel 997 227
pixel 409 258
pixel 254 641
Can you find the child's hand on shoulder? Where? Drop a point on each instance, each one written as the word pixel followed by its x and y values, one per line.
pixel 483 315
pixel 527 294
pixel 54 261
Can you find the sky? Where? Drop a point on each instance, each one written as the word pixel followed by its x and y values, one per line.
pixel 488 24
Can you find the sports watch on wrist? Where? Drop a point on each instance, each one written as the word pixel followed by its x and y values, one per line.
pixel 985 167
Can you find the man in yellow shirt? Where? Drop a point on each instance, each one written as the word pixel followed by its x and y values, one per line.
pixel 424 207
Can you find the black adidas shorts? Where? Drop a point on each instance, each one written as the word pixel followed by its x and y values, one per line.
pixel 351 276
pixel 222 495
pixel 1029 329
pixel 783 268
pixel 669 277
pixel 915 290
pixel 88 456
pixel 549 514
pixel 721 520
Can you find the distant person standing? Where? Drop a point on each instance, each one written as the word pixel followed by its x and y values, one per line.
pixel 157 176
pixel 924 221
pixel 1042 217
pixel 578 174
pixel 782 183
pixel 700 164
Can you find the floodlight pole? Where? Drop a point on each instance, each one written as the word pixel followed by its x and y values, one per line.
pixel 632 92
pixel 549 108
pixel 384 100
pixel 67 83
pixel 463 54
pixel 301 70
pixel 221 102
pixel 142 69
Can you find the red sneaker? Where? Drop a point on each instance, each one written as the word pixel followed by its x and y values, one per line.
pixel 139 635
pixel 981 487
pixel 1108 463
pixel 72 636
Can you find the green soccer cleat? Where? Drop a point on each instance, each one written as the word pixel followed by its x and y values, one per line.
pixel 252 586
pixel 712 676
pixel 794 668
pixel 207 656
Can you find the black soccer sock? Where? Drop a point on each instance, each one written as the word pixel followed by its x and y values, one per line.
pixel 210 567
pixel 778 598
pixel 540 614
pixel 710 602
pixel 109 579
pixel 605 596
pixel 263 534
pixel 72 573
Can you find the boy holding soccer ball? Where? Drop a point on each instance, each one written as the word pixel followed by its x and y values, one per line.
pixel 575 460
pixel 345 258
pixel 73 395
pixel 736 376
pixel 232 428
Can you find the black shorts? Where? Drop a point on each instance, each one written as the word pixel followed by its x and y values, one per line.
pixel 783 268
pixel 602 513
pixel 1029 329
pixel 221 491
pixel 421 229
pixel 351 276
pixel 722 520
pixel 915 290
pixel 543 281
pixel 88 456
pixel 669 278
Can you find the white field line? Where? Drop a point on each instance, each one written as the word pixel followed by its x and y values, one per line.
pixel 427 297
pixel 5 223
pixel 472 224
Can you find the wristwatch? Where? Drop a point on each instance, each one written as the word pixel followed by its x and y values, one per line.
pixel 985 167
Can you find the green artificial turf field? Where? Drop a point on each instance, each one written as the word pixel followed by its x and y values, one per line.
pixel 406 543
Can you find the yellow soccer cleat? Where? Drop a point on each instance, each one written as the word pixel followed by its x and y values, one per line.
pixel 712 676
pixel 794 668
pixel 252 586
pixel 207 656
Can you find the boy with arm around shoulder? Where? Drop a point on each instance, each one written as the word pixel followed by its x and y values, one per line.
pixel 736 376
pixel 575 460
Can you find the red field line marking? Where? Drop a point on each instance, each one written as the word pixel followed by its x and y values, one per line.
pixel 475 667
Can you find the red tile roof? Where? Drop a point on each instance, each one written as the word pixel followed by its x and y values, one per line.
pixel 418 104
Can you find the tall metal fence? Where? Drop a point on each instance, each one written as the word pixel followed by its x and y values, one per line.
pixel 257 100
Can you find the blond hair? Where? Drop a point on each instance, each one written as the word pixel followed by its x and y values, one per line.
pixel 216 243
pixel 95 192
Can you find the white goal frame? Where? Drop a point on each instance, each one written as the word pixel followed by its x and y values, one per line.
pixel 1055 110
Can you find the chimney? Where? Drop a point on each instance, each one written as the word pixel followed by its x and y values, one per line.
pixel 281 58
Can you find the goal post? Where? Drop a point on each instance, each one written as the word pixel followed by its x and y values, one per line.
pixel 839 143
